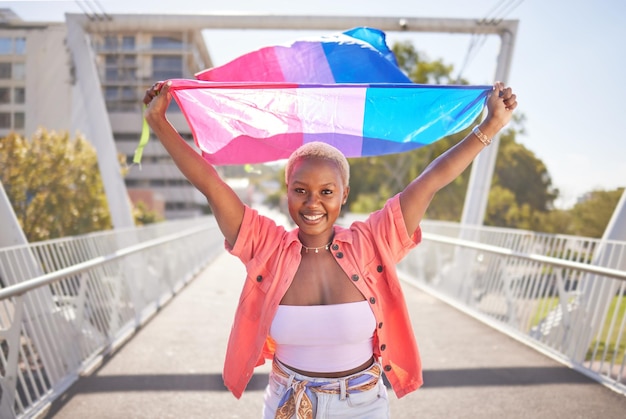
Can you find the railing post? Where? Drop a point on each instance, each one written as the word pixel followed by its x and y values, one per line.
pixel 9 381
pixel 12 233
pixel 586 323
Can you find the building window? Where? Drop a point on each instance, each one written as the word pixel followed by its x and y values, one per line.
pixel 20 46
pixel 110 42
pixel 167 67
pixel 19 71
pixel 128 93
pixel 5 120
pixel 111 74
pixel 18 120
pixel 5 70
pixel 129 60
pixel 167 42
pixel 6 45
pixel 110 93
pixel 9 46
pixel 128 43
pixel 5 95
pixel 19 95
pixel 110 60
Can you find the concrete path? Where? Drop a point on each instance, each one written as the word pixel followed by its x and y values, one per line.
pixel 172 367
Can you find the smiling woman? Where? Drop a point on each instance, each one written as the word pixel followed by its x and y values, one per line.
pixel 302 280
pixel 320 272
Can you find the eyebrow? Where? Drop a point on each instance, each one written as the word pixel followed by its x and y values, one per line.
pixel 297 182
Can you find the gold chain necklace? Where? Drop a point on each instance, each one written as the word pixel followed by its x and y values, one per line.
pixel 317 249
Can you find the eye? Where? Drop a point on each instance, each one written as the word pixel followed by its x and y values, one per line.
pixel 299 190
pixel 327 192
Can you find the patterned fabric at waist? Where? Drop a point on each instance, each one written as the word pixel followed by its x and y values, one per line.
pixel 297 399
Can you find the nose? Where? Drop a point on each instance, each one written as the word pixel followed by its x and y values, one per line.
pixel 311 200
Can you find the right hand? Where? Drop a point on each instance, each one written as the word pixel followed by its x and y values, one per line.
pixel 157 100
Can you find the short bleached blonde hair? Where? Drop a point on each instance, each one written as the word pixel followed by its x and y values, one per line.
pixel 323 151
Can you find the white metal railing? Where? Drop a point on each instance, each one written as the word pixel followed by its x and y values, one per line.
pixel 563 295
pixel 66 303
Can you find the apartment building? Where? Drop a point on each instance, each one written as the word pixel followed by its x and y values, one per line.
pixel 45 82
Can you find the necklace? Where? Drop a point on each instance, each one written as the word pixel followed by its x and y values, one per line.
pixel 317 249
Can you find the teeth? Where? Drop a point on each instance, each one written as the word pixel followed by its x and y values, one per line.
pixel 312 217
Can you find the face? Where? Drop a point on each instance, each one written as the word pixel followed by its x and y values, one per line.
pixel 315 194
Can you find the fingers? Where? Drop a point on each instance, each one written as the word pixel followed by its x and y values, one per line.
pixel 506 95
pixel 152 92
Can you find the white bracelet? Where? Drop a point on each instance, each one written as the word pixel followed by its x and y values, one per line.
pixel 481 136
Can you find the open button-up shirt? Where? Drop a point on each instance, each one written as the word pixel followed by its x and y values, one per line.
pixel 367 251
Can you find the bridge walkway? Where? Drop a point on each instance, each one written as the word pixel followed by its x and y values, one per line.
pixel 172 367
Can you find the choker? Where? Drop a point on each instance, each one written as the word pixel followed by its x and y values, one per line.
pixel 317 249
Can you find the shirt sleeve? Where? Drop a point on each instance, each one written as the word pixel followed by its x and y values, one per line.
pixel 389 230
pixel 256 232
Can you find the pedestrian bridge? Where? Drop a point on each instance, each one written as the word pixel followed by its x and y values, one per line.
pixel 134 323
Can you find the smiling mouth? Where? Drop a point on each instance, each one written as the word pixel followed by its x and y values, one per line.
pixel 312 217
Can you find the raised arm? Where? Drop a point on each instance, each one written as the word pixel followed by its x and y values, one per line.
pixel 224 202
pixel 415 199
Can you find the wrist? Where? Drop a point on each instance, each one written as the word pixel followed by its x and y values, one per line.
pixel 490 127
pixel 486 131
pixel 482 137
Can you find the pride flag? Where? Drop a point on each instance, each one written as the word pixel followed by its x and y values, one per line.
pixel 359 55
pixel 346 90
pixel 239 123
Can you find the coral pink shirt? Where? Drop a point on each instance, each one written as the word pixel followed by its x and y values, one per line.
pixel 367 252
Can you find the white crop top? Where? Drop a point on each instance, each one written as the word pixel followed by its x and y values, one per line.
pixel 324 338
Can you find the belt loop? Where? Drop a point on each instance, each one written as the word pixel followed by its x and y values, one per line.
pixel 342 389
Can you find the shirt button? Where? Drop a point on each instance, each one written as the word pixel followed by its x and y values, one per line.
pixel 380 325
pixel 355 277
pixel 379 268
pixel 339 255
pixel 383 347
pixel 259 278
pixel 373 300
pixel 387 368
pixel 335 246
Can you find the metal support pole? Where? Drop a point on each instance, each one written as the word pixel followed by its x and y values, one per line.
pixel 616 229
pixel 90 116
pixel 479 185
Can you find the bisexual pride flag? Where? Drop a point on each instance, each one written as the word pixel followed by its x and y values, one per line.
pixel 346 90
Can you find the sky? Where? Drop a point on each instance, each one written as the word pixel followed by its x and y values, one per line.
pixel 568 64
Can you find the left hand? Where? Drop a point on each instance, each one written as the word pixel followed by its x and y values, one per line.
pixel 500 105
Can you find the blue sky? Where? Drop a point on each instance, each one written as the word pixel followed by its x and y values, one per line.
pixel 568 65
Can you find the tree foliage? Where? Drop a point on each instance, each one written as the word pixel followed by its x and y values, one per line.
pixel 522 193
pixel 590 216
pixel 587 218
pixel 54 185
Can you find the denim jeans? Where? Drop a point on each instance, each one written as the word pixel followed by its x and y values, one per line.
pixel 368 404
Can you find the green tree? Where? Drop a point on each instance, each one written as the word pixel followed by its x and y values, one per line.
pixel 521 193
pixel 590 216
pixel 54 185
pixel 520 171
pixel 143 215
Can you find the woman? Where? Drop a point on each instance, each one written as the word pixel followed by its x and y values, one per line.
pixel 324 302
